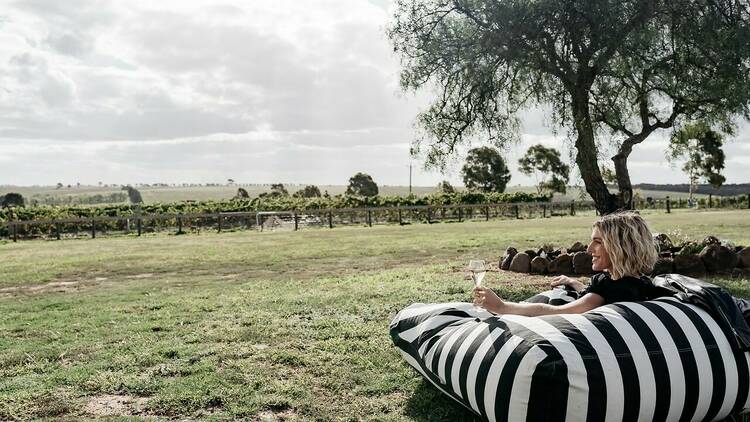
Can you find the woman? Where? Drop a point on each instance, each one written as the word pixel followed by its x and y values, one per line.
pixel 622 248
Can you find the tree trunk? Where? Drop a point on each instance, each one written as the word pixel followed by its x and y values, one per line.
pixel 586 156
pixel 623 181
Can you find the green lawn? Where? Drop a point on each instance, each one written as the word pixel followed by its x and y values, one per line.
pixel 248 325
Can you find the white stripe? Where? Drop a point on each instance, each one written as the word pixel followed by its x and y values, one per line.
pixel 700 354
pixel 727 356
pixel 671 356
pixel 746 407
pixel 519 393
pixel 493 375
pixel 641 360
pixel 417 309
pixel 433 351
pixel 460 354
pixel 476 361
pixel 578 386
pixel 446 349
pixel 429 324
pixel 610 367
pixel 445 332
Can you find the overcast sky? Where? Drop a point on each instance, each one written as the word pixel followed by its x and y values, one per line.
pixel 201 91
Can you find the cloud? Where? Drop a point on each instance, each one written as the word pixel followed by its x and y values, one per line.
pixel 200 90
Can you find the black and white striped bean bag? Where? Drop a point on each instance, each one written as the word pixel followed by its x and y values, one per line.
pixel 660 360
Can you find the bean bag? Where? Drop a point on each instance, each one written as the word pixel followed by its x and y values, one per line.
pixel 659 360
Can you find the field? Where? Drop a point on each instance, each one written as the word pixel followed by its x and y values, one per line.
pixel 202 193
pixel 258 326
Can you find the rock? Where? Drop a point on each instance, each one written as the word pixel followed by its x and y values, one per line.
pixel 718 258
pixel 689 264
pixel 521 263
pixel 577 247
pixel 582 263
pixel 508 258
pixel 744 257
pixel 710 240
pixel 563 264
pixel 539 265
pixel 663 266
pixel 663 242
pixel 531 253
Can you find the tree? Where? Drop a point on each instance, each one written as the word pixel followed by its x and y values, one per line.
pixel 309 191
pixel 445 187
pixel 544 163
pixel 361 184
pixel 620 69
pixel 242 194
pixel 12 199
pixel 485 170
pixel 133 195
pixel 59 185
pixel 701 148
pixel 277 191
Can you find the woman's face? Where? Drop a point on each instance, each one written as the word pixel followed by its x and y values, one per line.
pixel 600 261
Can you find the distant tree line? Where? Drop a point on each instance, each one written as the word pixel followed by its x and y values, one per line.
pixel 705 189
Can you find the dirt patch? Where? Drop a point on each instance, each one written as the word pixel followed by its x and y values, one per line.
pixel 115 405
pixel 273 415
pixel 53 286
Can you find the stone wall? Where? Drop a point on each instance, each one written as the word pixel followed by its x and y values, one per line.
pixel 690 258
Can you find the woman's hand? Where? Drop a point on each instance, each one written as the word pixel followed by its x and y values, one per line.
pixel 488 300
pixel 562 280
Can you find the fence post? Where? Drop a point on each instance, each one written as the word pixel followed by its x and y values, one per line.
pixel 330 220
pixel 572 208
pixel 57 230
pixel 219 221
pixel 296 221
pixel 748 201
pixel 369 218
pixel 400 222
pixel 179 224
pixel 515 209
pixel 460 214
pixel 544 210
pixel 138 225
pixel 486 213
pixel 13 227
pixel 710 200
pixel 93 228
pixel 429 215
pixel 669 205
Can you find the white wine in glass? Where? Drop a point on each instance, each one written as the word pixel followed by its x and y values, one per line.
pixel 478 270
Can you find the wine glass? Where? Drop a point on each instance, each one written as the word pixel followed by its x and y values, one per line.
pixel 478 270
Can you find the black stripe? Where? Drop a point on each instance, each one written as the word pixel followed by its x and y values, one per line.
pixel 689 364
pixel 440 348
pixel 507 378
pixel 549 383
pixel 658 361
pixel 464 370
pixel 743 381
pixel 452 355
pixel 714 356
pixel 631 384
pixel 484 367
pixel 597 399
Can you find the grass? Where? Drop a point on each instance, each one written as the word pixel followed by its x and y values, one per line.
pixel 247 325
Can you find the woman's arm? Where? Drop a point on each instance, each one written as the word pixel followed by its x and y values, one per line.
pixel 487 299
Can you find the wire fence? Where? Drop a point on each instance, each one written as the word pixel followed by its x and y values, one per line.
pixel 138 225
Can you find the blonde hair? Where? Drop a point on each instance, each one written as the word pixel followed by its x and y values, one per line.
pixel 628 242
